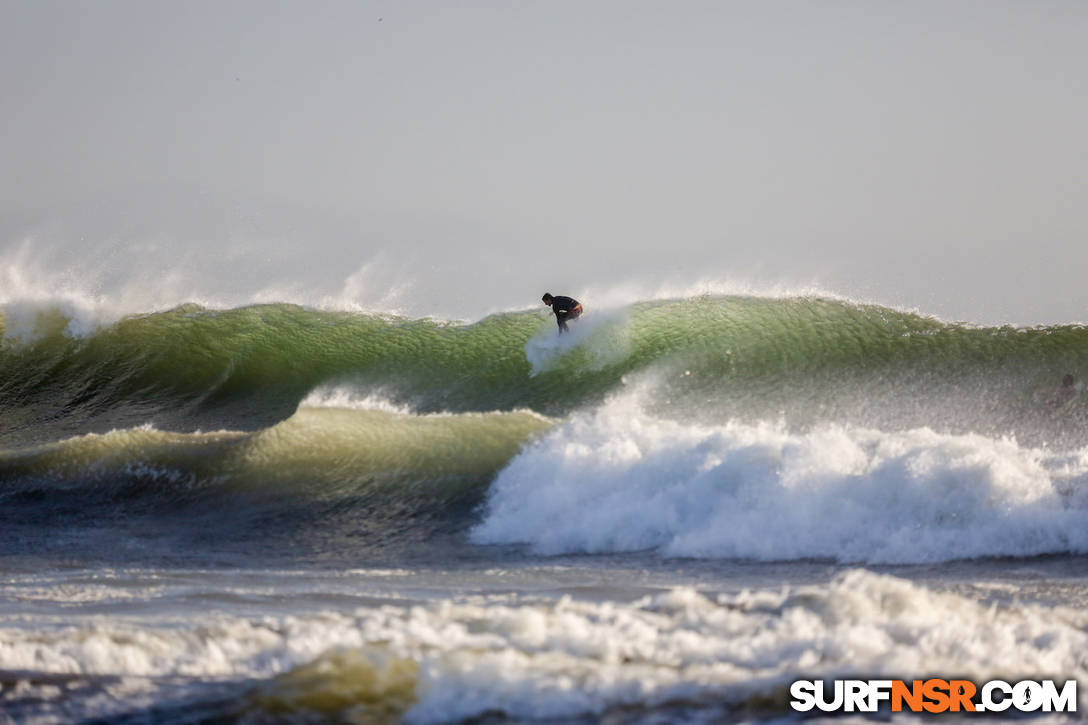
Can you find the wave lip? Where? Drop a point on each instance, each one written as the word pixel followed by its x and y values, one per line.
pixel 620 480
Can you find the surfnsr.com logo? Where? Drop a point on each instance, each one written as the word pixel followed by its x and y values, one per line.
pixel 933 696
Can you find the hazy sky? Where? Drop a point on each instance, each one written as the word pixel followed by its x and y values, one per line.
pixel 458 157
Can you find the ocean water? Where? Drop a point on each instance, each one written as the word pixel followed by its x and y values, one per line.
pixel 278 514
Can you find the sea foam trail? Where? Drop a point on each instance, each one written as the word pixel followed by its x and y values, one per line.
pixel 621 480
pixel 461 659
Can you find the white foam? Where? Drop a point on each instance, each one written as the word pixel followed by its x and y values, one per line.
pixel 564 658
pixel 618 479
pixel 350 398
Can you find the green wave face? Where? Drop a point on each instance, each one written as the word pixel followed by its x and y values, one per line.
pixel 322 478
pixel 715 357
pixel 336 450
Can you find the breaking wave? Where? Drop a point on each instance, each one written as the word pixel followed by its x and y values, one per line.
pixel 736 427
pixel 619 480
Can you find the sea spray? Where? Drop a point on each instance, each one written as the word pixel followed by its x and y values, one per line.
pixel 591 343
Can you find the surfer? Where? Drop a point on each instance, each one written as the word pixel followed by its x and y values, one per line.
pixel 565 309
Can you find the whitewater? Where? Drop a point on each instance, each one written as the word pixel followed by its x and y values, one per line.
pixel 278 512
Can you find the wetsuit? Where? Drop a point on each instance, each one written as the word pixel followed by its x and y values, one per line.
pixel 565 308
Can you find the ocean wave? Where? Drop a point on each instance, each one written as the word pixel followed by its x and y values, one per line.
pixel 810 359
pixel 697 656
pixel 619 479
pixel 385 464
